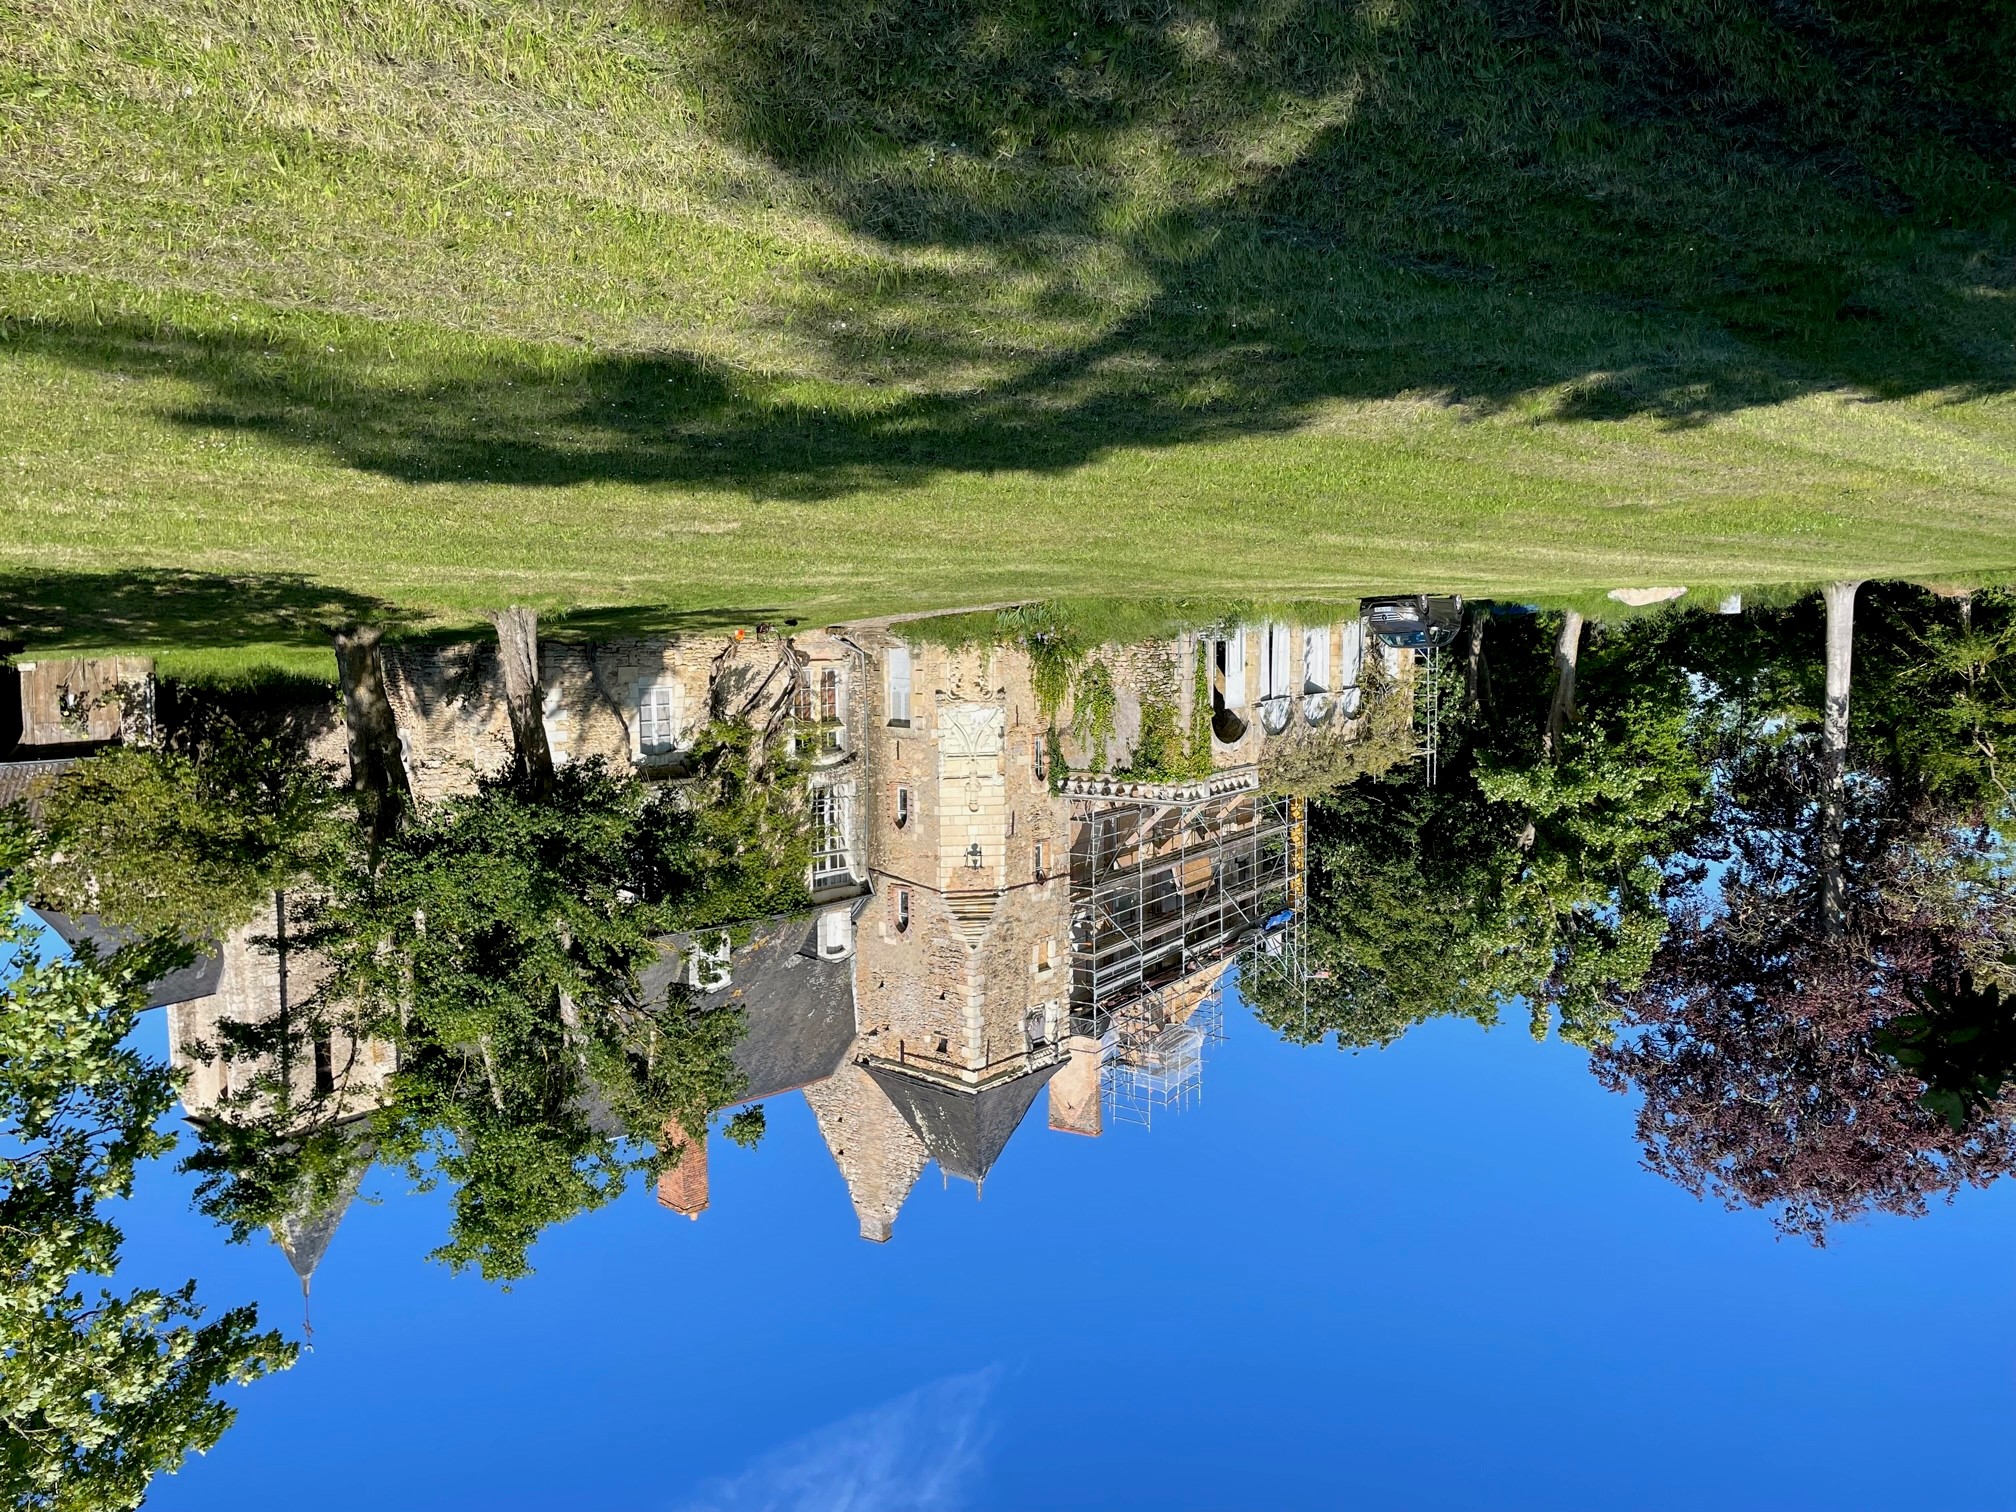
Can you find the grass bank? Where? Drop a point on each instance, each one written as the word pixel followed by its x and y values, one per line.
pixel 755 308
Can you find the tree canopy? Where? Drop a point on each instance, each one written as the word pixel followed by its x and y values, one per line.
pixel 100 1392
pixel 1533 871
pixel 188 838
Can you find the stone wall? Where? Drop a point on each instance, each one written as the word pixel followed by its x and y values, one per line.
pixel 1075 1106
pixel 258 978
pixel 74 700
pixel 987 938
pixel 879 1154
pixel 448 702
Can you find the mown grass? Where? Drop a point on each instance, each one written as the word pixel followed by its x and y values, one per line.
pixel 757 308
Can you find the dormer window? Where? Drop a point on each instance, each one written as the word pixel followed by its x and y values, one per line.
pixel 897 664
pixel 709 964
pixel 836 934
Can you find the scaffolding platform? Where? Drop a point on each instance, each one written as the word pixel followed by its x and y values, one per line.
pixel 1171 884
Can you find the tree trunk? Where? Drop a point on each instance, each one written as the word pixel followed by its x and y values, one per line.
pixel 377 771
pixel 490 1072
pixel 1476 674
pixel 1840 599
pixel 518 653
pixel 1567 651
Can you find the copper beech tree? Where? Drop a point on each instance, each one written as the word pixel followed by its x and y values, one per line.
pixel 1755 1045
pixel 1790 1033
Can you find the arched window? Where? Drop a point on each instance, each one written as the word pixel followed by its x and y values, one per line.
pixel 1231 655
pixel 1277 677
pixel 1316 675
pixel 1350 696
pixel 900 905
pixel 902 806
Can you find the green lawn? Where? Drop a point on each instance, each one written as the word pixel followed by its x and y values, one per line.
pixel 409 308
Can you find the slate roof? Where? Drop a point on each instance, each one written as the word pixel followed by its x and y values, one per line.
pixel 965 1131
pixel 22 780
pixel 799 1007
pixel 303 1233
pixel 198 979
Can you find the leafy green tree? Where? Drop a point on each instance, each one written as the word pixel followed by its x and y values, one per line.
pixel 98 1394
pixel 1580 910
pixel 1534 871
pixel 184 841
pixel 1397 875
pixel 730 844
pixel 1936 698
pixel 499 944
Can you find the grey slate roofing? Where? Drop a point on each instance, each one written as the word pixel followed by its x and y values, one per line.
pixel 22 780
pixel 303 1233
pixel 198 979
pixel 964 1131
pixel 798 1006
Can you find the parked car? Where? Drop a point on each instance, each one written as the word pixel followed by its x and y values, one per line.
pixel 1418 622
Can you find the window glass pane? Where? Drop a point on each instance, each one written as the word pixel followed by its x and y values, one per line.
pixel 1235 670
pixel 658 721
pixel 829 834
pixel 898 663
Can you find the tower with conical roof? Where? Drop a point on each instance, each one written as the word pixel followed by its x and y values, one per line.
pixel 303 1232
pixel 879 1154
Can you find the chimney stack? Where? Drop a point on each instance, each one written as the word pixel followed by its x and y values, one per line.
pixel 1074 1090
pixel 684 1188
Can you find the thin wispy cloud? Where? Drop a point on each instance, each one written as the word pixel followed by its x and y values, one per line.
pixel 920 1452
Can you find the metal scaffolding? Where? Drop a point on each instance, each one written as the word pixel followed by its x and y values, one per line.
pixel 1152 1058
pixel 1170 885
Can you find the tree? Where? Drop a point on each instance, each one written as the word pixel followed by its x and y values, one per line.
pixel 1784 1039
pixel 1840 599
pixel 98 1395
pixel 1561 707
pixel 518 660
pixel 1936 697
pixel 732 843
pixel 377 772
pixel 1398 879
pixel 499 943
pixel 1757 1047
pixel 1533 872
pixel 184 840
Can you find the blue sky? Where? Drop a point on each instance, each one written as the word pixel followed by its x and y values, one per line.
pixel 1429 1278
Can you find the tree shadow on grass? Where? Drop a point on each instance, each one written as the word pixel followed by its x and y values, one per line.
pixel 143 607
pixel 1593 212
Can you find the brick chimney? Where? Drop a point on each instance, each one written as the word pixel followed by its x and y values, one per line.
pixel 1074 1090
pixel 684 1188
